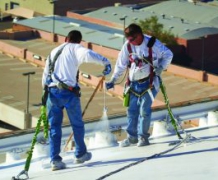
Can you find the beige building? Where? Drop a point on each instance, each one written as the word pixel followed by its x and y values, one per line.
pixel 60 7
pixel 39 6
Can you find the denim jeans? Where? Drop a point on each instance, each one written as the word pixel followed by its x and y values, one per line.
pixel 139 111
pixel 59 99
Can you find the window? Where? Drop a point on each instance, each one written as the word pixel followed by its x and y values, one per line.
pixel 14 5
pixel 6 6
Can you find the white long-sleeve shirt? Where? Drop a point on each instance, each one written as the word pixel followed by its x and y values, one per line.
pixel 68 62
pixel 162 56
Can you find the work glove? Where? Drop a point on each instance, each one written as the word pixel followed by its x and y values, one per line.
pixel 110 84
pixel 107 69
pixel 158 70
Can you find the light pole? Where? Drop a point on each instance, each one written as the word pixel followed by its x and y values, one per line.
pixel 202 60
pixel 124 24
pixel 53 26
pixel 28 116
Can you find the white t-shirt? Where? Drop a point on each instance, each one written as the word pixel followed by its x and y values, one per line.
pixel 162 56
pixel 68 62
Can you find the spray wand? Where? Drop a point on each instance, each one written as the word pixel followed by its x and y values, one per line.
pixel 105 108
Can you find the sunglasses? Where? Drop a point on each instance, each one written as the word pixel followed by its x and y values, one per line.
pixel 131 39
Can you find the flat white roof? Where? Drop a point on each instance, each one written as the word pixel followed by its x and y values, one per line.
pixel 167 158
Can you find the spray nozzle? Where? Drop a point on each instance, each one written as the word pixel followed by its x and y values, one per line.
pixel 105 109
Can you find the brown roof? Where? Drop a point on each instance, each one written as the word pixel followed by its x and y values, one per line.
pixel 13 91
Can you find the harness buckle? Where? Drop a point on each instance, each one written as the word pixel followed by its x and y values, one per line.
pixel 143 79
pixel 70 88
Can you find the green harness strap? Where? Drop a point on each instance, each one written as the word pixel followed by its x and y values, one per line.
pixel 42 118
pixel 173 120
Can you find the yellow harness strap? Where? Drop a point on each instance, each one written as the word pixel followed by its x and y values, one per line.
pixel 140 95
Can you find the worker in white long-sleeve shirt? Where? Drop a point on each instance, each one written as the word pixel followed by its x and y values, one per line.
pixel 144 65
pixel 61 77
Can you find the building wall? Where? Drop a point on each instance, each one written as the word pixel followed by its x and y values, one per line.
pixel 93 20
pixel 16 35
pixel 204 53
pixel 62 6
pixel 66 5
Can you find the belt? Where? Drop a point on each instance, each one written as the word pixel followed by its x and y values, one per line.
pixel 63 86
pixel 67 88
pixel 143 80
pixel 75 90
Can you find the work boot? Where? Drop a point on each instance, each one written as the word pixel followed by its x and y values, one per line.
pixel 57 165
pixel 143 142
pixel 86 157
pixel 127 142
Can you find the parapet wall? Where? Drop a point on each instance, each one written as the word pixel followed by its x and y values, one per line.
pixel 12 50
pixel 93 20
pixel 8 34
pixel 188 73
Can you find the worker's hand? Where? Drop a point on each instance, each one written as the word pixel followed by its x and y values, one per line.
pixel 158 70
pixel 107 69
pixel 110 84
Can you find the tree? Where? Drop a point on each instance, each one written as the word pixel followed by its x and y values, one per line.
pixel 152 27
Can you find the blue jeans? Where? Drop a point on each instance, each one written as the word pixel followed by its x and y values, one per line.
pixel 59 99
pixel 139 111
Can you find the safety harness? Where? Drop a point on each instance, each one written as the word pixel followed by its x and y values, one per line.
pixel 139 63
pixel 52 63
pixel 61 84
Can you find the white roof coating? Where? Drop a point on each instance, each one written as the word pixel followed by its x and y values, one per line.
pixel 196 159
pixel 167 158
